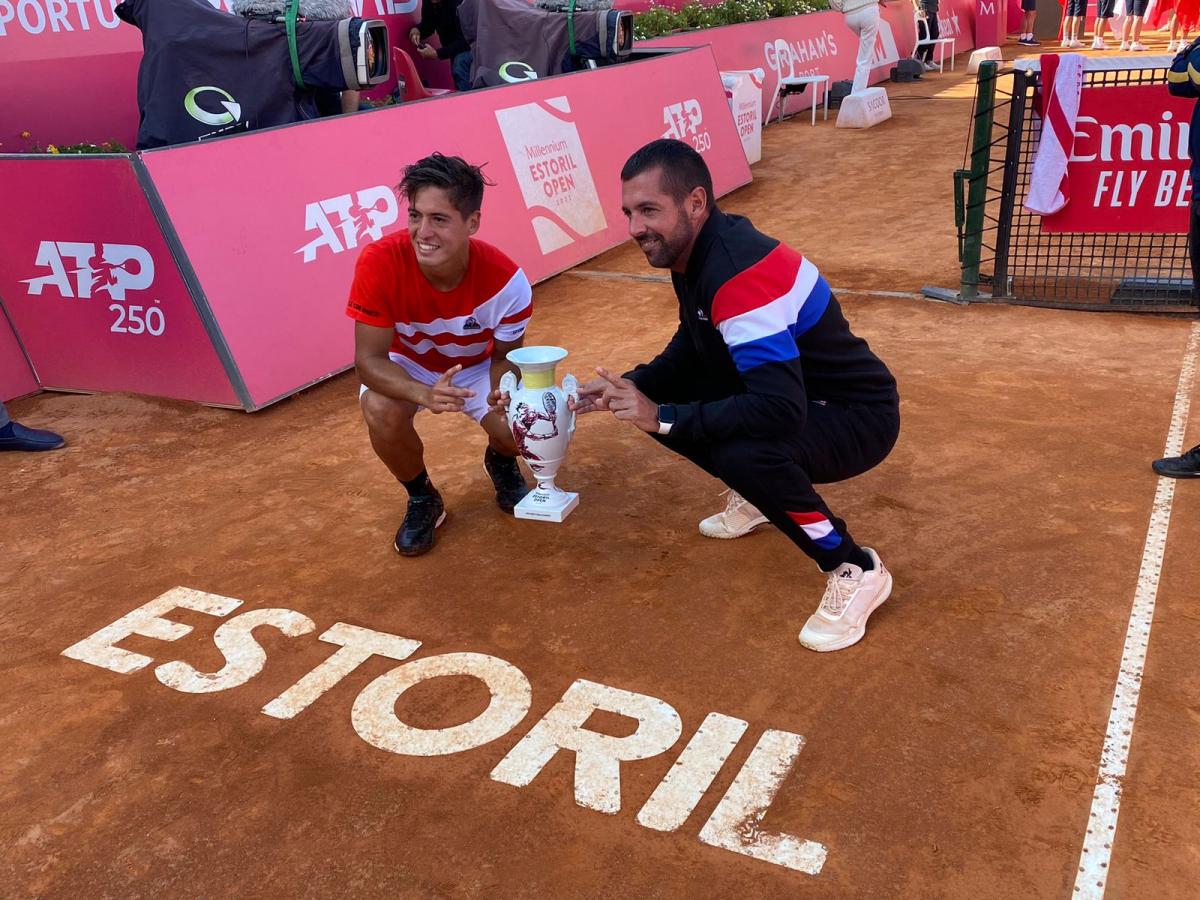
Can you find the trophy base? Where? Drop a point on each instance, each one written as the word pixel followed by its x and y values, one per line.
pixel 546 506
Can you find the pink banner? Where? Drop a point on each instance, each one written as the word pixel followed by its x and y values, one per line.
pixel 819 44
pixel 69 68
pixel 91 285
pixel 274 233
pixel 991 23
pixel 1128 172
pixel 16 379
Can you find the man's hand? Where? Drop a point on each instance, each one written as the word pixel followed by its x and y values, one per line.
pixel 622 398
pixel 498 402
pixel 414 35
pixel 428 52
pixel 444 396
pixel 591 398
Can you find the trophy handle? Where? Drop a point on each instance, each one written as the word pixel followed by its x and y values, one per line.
pixel 508 383
pixel 570 387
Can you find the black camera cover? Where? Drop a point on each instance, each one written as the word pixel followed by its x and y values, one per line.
pixel 513 41
pixel 206 73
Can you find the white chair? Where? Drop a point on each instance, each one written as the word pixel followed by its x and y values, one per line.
pixel 921 27
pixel 794 84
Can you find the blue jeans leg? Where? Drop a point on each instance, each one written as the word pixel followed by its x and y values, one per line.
pixel 460 67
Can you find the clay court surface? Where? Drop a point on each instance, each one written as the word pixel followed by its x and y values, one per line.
pixel 952 753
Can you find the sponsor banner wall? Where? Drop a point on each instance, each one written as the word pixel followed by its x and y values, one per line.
pixel 744 92
pixel 16 379
pixel 69 68
pixel 1128 172
pixel 92 288
pixel 272 221
pixel 819 44
pixel 991 22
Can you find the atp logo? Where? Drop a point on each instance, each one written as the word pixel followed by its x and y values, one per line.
pixel 114 270
pixel 345 221
pixel 232 110
pixel 684 122
pixel 682 119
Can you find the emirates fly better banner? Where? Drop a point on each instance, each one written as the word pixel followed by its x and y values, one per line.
pixel 1128 172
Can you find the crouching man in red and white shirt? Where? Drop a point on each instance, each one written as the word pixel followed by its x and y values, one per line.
pixel 436 310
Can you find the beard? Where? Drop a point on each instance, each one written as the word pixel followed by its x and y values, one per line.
pixel 662 251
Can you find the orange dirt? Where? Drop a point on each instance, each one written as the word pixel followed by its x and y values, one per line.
pixel 950 754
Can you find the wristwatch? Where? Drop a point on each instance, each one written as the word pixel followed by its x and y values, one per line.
pixel 666 418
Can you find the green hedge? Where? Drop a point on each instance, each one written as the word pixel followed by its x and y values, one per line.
pixel 659 20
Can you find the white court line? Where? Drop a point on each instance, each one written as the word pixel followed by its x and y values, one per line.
pixel 1106 800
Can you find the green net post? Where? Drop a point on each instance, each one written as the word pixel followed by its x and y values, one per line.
pixel 971 214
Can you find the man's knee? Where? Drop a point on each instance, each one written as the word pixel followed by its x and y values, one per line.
pixel 746 459
pixel 387 417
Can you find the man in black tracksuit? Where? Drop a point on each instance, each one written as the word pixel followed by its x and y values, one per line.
pixel 1183 80
pixel 763 385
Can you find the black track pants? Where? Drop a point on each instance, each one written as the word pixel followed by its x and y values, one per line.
pixel 1194 248
pixel 838 441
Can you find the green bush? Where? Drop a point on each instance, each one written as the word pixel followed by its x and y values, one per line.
pixel 694 16
pixel 30 145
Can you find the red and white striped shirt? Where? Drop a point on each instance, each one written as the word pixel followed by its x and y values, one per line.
pixel 440 329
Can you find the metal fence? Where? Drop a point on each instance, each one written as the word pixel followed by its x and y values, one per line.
pixel 1005 255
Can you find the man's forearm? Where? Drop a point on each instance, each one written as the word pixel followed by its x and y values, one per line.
pixel 385 377
pixel 499 366
pixel 449 51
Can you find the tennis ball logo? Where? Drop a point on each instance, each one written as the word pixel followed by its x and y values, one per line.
pixel 233 109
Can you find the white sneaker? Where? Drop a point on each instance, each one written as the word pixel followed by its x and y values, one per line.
pixel 850 598
pixel 1098 44
pixel 1075 45
pixel 1124 45
pixel 739 519
pixel 1138 46
pixel 929 66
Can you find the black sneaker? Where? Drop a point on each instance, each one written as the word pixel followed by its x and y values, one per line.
pixel 1186 466
pixel 506 476
pixel 416 532
pixel 1030 42
pixel 15 436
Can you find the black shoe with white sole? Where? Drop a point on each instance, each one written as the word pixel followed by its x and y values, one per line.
pixel 416 534
pixel 507 478
pixel 1186 466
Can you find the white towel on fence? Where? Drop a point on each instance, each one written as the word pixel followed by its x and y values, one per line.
pixel 1062 83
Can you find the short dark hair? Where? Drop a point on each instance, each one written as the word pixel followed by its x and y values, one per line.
pixel 683 169
pixel 453 174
